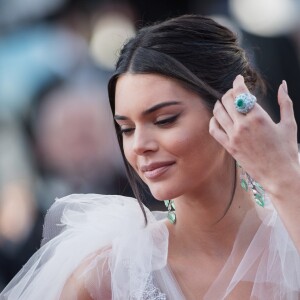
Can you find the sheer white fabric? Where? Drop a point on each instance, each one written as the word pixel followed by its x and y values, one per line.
pixel 98 246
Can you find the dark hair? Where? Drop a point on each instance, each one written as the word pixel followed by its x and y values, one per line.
pixel 199 53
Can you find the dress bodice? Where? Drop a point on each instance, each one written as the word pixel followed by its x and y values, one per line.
pixel 132 259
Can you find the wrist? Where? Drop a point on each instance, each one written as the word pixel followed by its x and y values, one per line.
pixel 285 184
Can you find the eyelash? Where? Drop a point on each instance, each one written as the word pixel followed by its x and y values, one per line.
pixel 162 123
pixel 167 120
pixel 125 131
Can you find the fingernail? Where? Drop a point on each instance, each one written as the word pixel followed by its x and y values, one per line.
pixel 284 85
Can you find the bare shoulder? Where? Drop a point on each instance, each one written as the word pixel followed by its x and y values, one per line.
pixel 90 279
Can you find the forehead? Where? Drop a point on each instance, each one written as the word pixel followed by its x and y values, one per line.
pixel 140 91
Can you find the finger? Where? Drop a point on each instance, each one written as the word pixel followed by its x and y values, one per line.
pixel 285 103
pixel 223 117
pixel 216 132
pixel 239 86
pixel 228 103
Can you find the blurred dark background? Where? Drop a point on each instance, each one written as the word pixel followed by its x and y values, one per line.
pixel 56 133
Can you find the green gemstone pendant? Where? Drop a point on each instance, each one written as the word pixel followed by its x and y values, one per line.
pixel 248 183
pixel 173 204
pixel 259 188
pixel 259 199
pixel 171 214
pixel 244 184
pixel 172 217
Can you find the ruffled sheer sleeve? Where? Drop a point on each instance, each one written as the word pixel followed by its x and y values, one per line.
pixel 263 264
pixel 94 247
pixel 98 247
pixel 90 280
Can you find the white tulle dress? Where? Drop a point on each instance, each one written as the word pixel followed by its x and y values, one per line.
pixel 100 244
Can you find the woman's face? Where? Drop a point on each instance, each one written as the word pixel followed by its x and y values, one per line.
pixel 165 134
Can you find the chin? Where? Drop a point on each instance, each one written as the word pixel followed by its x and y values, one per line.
pixel 163 193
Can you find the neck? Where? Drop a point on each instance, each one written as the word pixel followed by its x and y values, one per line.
pixel 207 221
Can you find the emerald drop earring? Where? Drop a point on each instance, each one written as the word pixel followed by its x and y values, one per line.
pixel 247 182
pixel 171 213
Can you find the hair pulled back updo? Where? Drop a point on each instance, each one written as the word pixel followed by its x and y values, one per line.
pixel 199 53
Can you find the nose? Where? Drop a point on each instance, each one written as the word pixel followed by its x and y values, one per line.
pixel 144 142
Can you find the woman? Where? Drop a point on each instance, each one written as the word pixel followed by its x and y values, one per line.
pixel 192 132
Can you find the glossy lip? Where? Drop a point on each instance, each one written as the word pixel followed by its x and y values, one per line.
pixel 156 169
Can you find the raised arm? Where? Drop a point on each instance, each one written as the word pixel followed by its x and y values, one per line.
pixel 266 150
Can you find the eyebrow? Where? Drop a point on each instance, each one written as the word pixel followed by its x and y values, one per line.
pixel 151 109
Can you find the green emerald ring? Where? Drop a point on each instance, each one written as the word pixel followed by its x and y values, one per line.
pixel 244 102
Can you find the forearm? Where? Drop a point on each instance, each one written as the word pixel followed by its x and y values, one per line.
pixel 286 200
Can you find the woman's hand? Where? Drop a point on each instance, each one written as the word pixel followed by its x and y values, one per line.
pixel 266 150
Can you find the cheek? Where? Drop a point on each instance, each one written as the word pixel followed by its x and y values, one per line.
pixel 194 148
pixel 184 143
pixel 178 144
pixel 129 155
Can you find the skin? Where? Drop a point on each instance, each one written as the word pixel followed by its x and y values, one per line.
pixel 201 146
pixel 268 151
pixel 182 141
pixel 200 180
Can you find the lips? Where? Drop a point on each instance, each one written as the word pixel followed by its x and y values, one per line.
pixel 155 170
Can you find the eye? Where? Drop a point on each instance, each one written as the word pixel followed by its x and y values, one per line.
pixel 167 121
pixel 126 131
